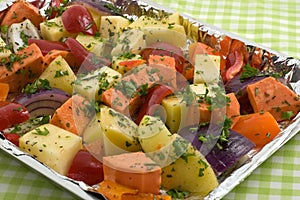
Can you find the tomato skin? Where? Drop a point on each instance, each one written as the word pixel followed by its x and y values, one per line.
pixel 12 137
pixel 47 46
pixel 154 97
pixel 12 114
pixel 86 168
pixel 165 49
pixel 77 19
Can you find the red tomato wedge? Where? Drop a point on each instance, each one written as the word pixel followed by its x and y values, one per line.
pixel 86 168
pixel 77 19
pixel 12 114
pixel 153 98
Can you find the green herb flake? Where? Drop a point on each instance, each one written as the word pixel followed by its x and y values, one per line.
pixel 36 85
pixel 38 131
pixel 248 72
pixel 177 194
pixel 287 115
pixel 60 73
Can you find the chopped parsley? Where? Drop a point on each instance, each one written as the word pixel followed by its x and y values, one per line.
pixel 37 85
pixel 287 115
pixel 60 73
pixel 127 55
pixel 249 72
pixel 38 131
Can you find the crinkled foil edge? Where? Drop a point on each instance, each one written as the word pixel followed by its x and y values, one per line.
pixel 198 31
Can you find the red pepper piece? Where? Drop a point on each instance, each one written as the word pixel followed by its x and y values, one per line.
pixel 89 60
pixel 77 19
pixel 47 46
pixel 154 97
pixel 236 67
pixel 12 137
pixel 86 168
pixel 12 114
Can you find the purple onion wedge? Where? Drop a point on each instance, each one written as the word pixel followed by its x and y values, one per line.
pixel 221 157
pixel 101 7
pixel 43 102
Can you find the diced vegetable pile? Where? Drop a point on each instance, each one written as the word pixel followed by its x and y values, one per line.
pixel 133 106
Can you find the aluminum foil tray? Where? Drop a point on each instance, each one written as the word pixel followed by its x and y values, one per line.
pixel 197 31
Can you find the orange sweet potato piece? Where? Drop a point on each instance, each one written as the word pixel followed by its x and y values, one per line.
pixel 233 108
pixel 25 67
pixel 71 115
pixel 145 196
pixel 21 10
pixel 134 170
pixel 162 60
pixel 260 128
pixel 114 191
pixel 205 113
pixel 150 75
pixel 130 64
pixel 4 89
pixel 271 95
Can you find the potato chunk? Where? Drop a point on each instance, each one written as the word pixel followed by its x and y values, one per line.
pixel 53 146
pixel 60 75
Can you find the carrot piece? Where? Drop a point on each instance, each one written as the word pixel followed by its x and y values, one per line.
pixel 260 128
pixel 71 115
pixel 162 60
pixel 26 67
pixel 21 10
pixel 114 191
pixel 4 89
pixel 273 96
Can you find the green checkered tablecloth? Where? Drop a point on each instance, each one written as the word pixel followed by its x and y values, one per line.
pixel 272 23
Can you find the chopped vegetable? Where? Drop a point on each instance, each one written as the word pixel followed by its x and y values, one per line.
pixel 4 89
pixel 78 19
pixel 21 10
pixel 264 95
pixel 43 101
pixel 12 114
pixel 260 128
pixel 21 68
pixel 85 167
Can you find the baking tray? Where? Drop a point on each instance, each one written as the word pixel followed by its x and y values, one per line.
pixel 198 31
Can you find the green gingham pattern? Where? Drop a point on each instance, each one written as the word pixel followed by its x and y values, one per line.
pixel 272 23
